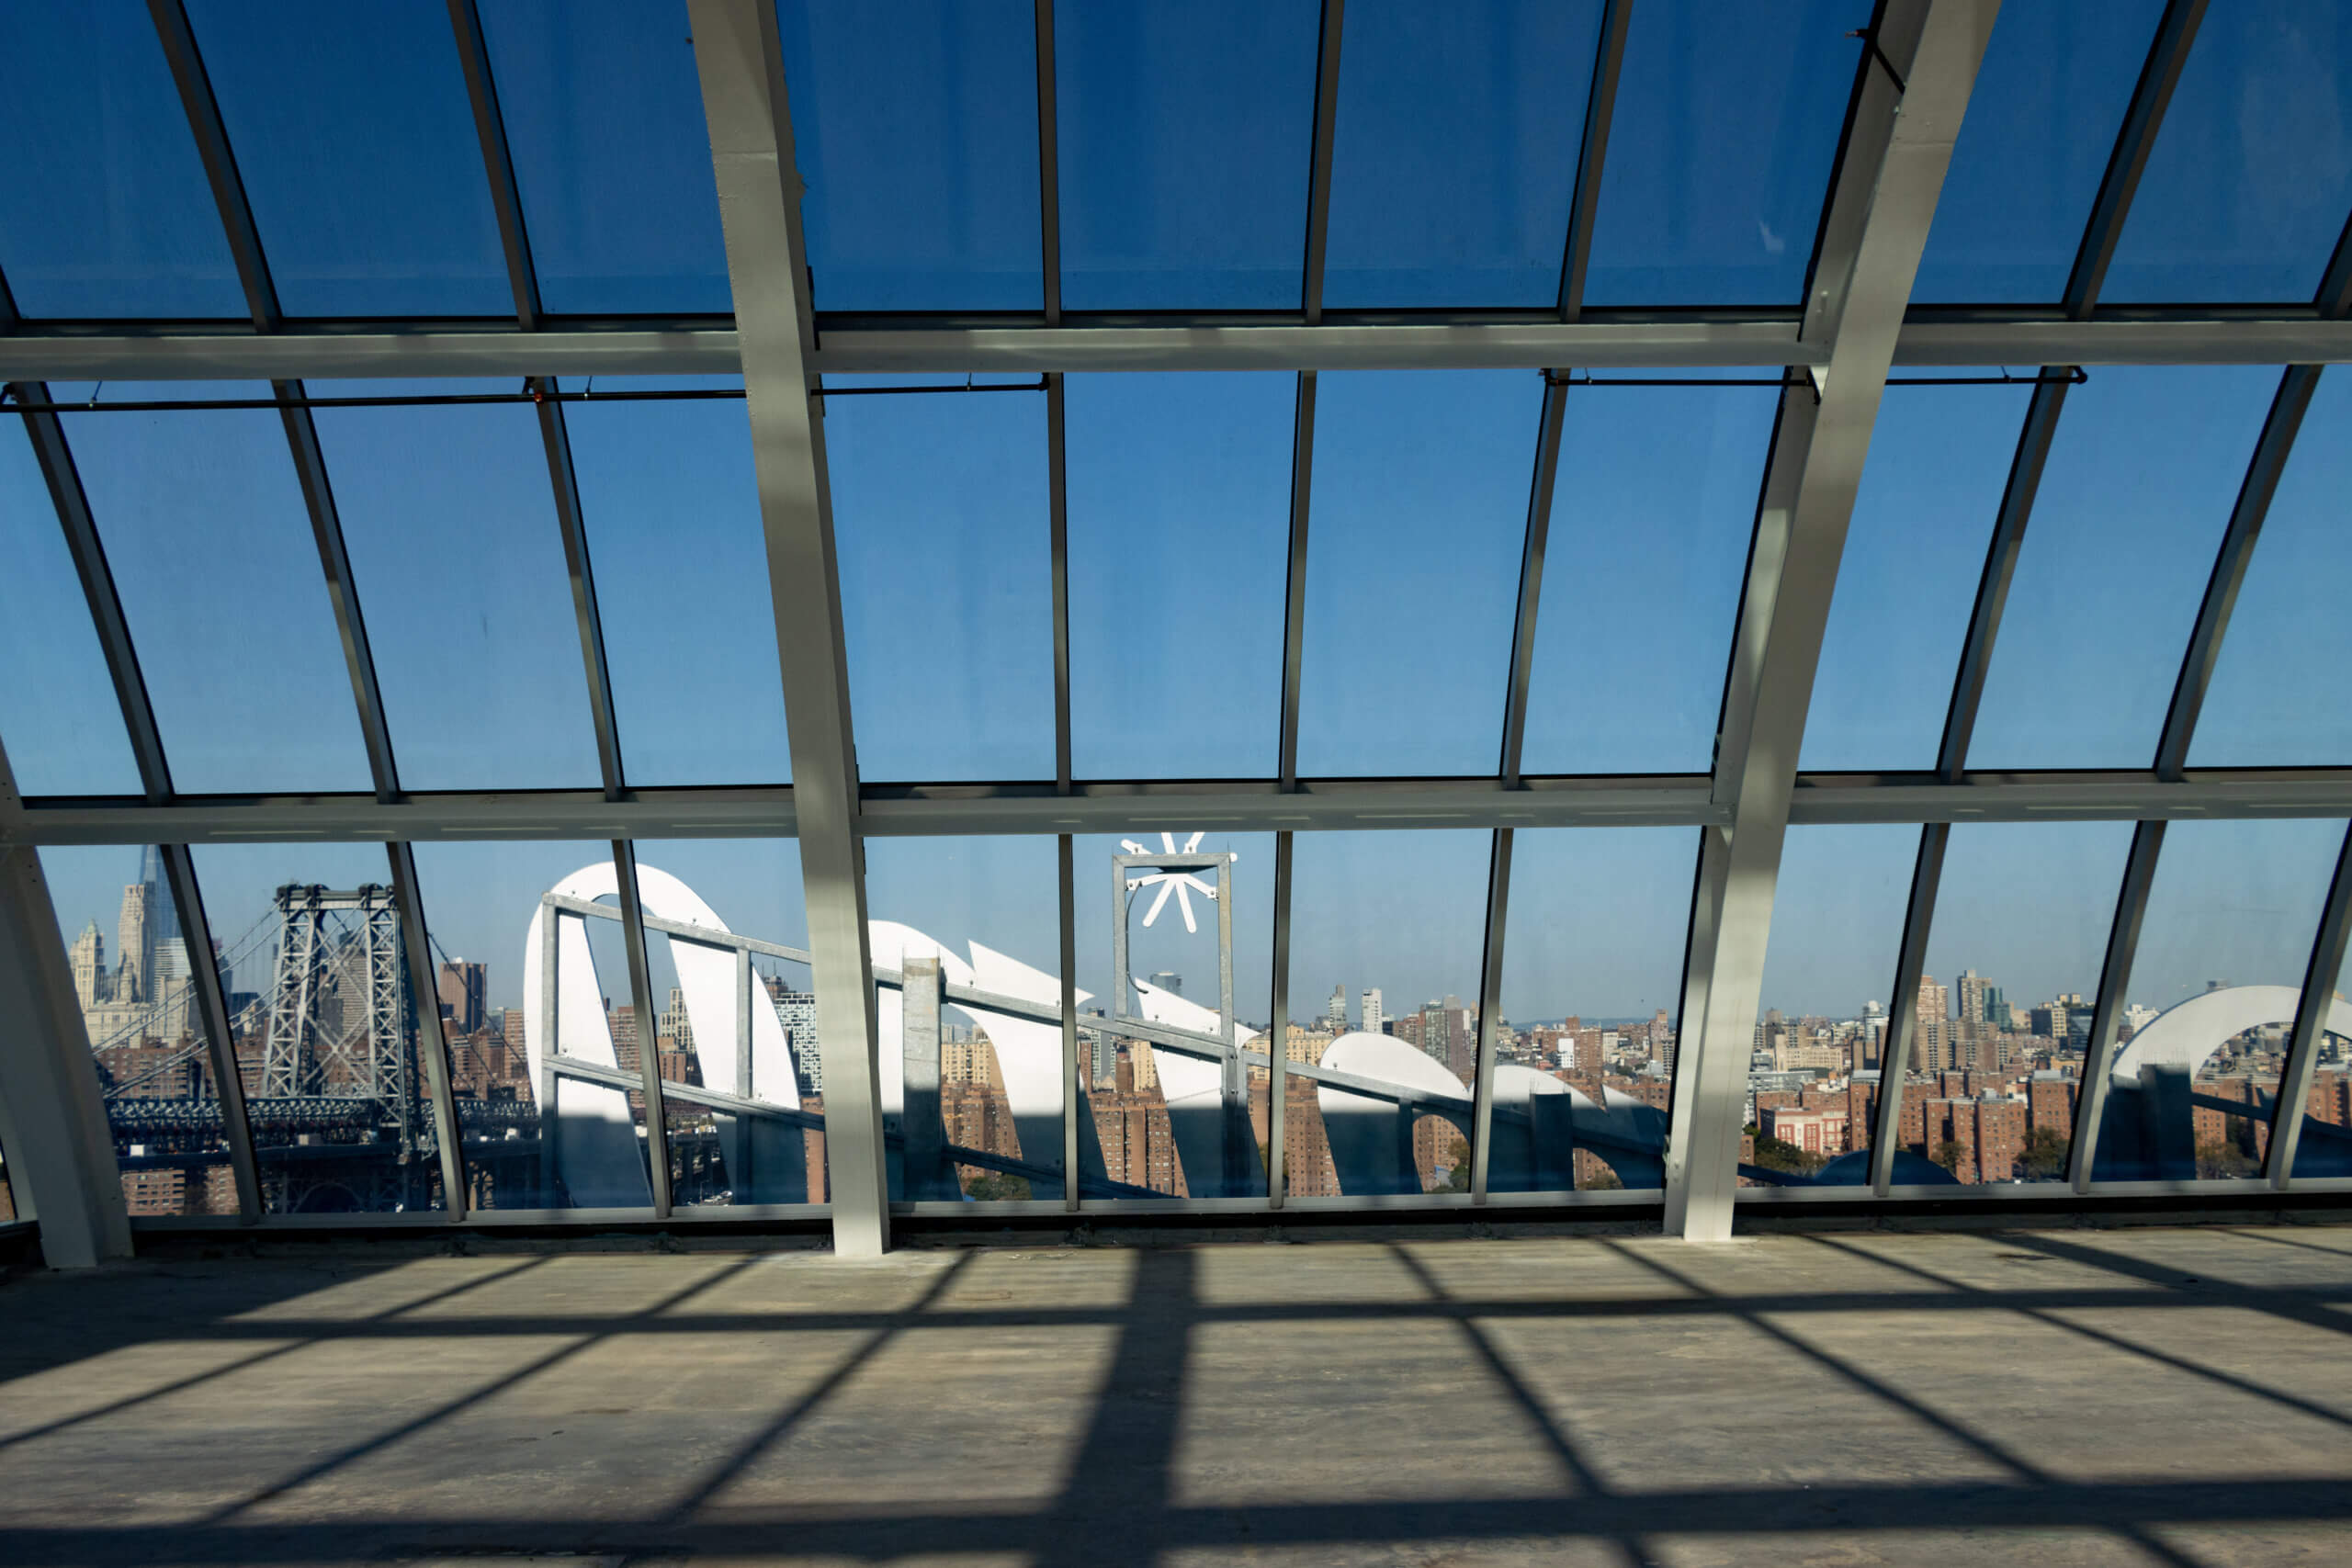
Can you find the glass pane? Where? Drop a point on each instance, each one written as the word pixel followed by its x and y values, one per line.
pixel 972 1096
pixel 2324 1147
pixel 1914 553
pixel 2005 1008
pixel 1398 918
pixel 1187 133
pixel 129 958
pixel 1179 491
pixel 1651 515
pixel 915 126
pixel 2132 505
pixel 942 534
pixel 1720 152
pixel 1165 1117
pixel 199 510
pixel 490 938
pixel 357 150
pixel 1836 937
pixel 307 939
pixel 672 511
pixel 458 563
pixel 112 216
pixel 1455 160
pixel 1592 982
pixel 2214 989
pixel 604 121
pixel 2245 190
pixel 2040 125
pixel 2275 698
pixel 1419 516
pixel 58 717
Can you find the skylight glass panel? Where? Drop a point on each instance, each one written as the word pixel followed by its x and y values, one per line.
pixel 107 211
pixel 1179 493
pixel 218 572
pixel 2034 145
pixel 458 561
pixel 604 120
pixel 357 149
pixel 1931 491
pixel 1418 518
pixel 2245 192
pixel 942 530
pixel 59 716
pixel 2132 507
pixel 2275 698
pixel 915 126
pixel 1455 159
pixel 671 512
pixel 1720 152
pixel 1187 133
pixel 1651 514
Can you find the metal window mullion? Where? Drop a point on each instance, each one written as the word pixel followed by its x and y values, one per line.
pixel 1057 549
pixel 1278 1029
pixel 1318 174
pixel 565 482
pixel 213 1010
pixel 1599 109
pixel 2034 440
pixel 1049 181
pixel 1302 467
pixel 203 111
pixel 739 63
pixel 498 160
pixel 2335 296
pixel 1902 1018
pixel 2168 53
pixel 2312 1012
pixel 2106 1011
pixel 1530 577
pixel 2262 471
pixel 1490 985
pixel 432 1031
pixel 1075 1088
pixel 649 1048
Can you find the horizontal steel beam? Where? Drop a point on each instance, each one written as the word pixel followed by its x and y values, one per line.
pixel 894 811
pixel 378 350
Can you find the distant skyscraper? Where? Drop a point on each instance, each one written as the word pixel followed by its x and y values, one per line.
pixel 1932 1034
pixel 1374 1013
pixel 1335 1016
pixel 463 988
pixel 1975 997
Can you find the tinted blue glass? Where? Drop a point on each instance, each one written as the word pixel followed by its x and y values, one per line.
pixel 942 537
pixel 212 555
pixel 672 511
pixel 109 214
pixel 1915 551
pixel 1720 152
pixel 915 126
pixel 2132 505
pixel 1178 494
pixel 59 717
pixel 604 121
pixel 2040 125
pixel 459 563
pixel 1651 514
pixel 356 145
pixel 1419 516
pixel 1186 135
pixel 2277 694
pixel 1455 160
pixel 2246 189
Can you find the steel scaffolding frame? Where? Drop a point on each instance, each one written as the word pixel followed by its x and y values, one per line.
pixel 1855 327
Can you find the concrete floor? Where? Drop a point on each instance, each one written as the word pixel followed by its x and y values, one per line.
pixel 2162 1396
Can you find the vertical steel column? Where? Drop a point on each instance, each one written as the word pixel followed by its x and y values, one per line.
pixel 1302 472
pixel 556 435
pixel 1490 985
pixel 1278 1030
pixel 648 1047
pixel 2310 1023
pixel 432 1038
pixel 1531 575
pixel 1599 109
pixel 1898 144
pixel 1237 1144
pixel 739 56
pixel 498 160
pixel 745 1180
pixel 1049 180
pixel 2134 139
pixel 1903 1009
pixel 550 1081
pixel 1318 174
pixel 2115 975
pixel 1076 1086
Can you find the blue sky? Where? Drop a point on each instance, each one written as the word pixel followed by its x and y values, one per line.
pixel 1183 170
